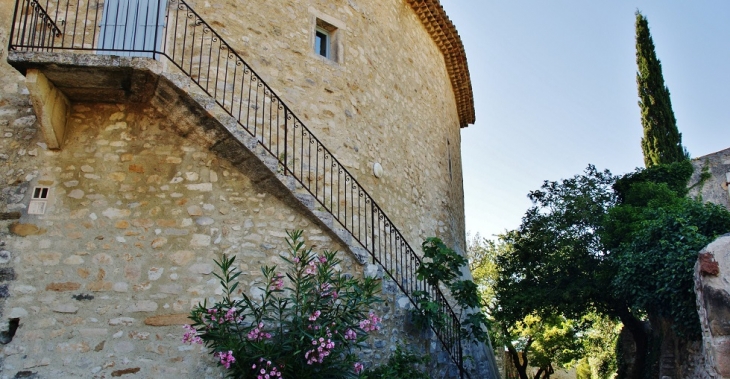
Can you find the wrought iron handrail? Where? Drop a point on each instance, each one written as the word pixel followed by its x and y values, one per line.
pixel 181 35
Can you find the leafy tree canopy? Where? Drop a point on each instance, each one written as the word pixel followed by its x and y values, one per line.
pixel 620 246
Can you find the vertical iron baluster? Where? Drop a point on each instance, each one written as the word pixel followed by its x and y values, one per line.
pixel 166 26
pixel 157 26
pixel 286 138
pixel 200 56
pixel 316 171
pixel 76 21
pixel 46 27
pixel 94 26
pixel 135 28
pixel 256 106
pixel 13 37
pixel 217 67
pixel 31 27
pixel 24 16
pixel 278 127
pixel 55 16
pixel 240 95
pixel 65 18
pixel 248 101
pixel 86 19
pixel 42 30
pixel 271 104
pixel 225 78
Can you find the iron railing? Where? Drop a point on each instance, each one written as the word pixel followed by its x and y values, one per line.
pixel 176 32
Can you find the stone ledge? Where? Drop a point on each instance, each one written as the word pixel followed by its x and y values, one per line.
pixel 86 77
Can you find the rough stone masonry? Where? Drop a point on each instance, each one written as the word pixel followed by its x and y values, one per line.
pixel 97 275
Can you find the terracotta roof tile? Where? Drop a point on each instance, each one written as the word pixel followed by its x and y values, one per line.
pixel 444 34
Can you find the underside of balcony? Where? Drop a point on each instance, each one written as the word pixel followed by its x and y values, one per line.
pixel 82 78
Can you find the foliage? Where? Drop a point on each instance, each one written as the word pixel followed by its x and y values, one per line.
pixel 662 252
pixel 556 340
pixel 550 342
pixel 482 253
pixel 655 234
pixel 599 343
pixel 401 365
pixel 443 265
pixel 622 247
pixel 544 343
pixel 305 324
pixel 662 142
pixel 557 263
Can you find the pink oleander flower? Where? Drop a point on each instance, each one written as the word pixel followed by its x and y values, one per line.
pixel 278 281
pixel 231 315
pixel 325 289
pixel 226 358
pixel 322 350
pixel 323 259
pixel 212 312
pixel 370 324
pixel 358 367
pixel 257 333
pixel 191 336
pixel 311 268
pixel 267 370
pixel 350 334
pixel 314 315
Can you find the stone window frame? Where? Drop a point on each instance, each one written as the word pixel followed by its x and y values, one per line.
pixel 334 28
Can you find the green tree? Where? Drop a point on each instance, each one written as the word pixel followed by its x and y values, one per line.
pixel 654 234
pixel 483 254
pixel 599 342
pixel 545 343
pixel 541 342
pixel 662 142
pixel 622 247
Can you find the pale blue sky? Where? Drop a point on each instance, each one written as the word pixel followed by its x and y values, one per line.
pixel 555 89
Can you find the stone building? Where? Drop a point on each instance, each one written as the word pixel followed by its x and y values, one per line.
pixel 143 139
pixel 712 174
pixel 712 271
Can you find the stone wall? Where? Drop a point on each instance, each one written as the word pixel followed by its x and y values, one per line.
pixel 388 101
pixel 135 217
pixel 712 272
pixel 713 189
pixel 713 303
pixel 100 282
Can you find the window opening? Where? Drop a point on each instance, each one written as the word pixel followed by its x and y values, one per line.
pixel 326 40
pixel 448 147
pixel 322 42
pixel 37 205
pixel 40 193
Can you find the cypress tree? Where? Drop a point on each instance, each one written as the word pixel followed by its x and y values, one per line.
pixel 662 142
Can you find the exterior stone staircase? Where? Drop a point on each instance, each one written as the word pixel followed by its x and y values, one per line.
pixel 204 108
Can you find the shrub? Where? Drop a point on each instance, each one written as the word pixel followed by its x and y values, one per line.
pixel 305 324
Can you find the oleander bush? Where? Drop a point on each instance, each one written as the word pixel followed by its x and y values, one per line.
pixel 307 322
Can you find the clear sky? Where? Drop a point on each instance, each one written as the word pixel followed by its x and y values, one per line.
pixel 555 89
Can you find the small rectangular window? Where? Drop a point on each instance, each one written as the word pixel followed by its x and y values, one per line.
pixel 40 193
pixel 448 146
pixel 322 43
